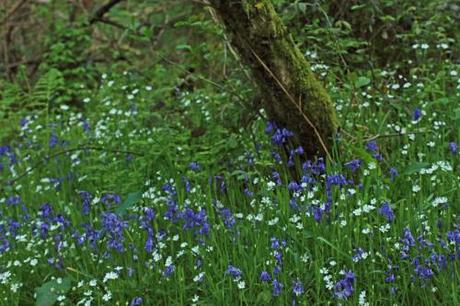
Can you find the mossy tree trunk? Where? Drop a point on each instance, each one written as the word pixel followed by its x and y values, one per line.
pixel 291 94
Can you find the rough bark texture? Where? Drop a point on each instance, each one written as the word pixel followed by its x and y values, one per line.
pixel 264 43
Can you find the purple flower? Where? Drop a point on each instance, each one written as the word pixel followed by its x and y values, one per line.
pixel 229 220
pixel 453 147
pixel 343 289
pixel 264 276
pixel 234 272
pixel 113 226
pixel 372 146
pixel 86 202
pixel 136 301
pixel 393 173
pixel 110 198
pixel 169 270
pixel 386 211
pixel 194 166
pixel 297 288
pixel 354 164
pixel 416 114
pixel 359 252
pixel 277 287
pixel 281 136
pixel 293 186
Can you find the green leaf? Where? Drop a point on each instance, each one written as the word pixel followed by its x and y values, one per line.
pixel 263 297
pixel 132 199
pixel 415 167
pixel 456 115
pixel 184 47
pixel 48 292
pixel 362 81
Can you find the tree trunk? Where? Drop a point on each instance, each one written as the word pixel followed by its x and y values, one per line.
pixel 292 96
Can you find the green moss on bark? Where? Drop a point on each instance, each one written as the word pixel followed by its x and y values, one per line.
pixel 258 33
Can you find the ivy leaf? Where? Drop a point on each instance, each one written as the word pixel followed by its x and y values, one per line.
pixel 47 293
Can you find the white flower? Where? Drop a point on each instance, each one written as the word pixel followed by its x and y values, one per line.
pixel 439 200
pixel 33 262
pixel 416 188
pixel 110 276
pixel 107 297
pixel 241 284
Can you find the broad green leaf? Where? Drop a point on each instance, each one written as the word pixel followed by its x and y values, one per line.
pixel 415 167
pixel 48 293
pixel 132 199
pixel 362 81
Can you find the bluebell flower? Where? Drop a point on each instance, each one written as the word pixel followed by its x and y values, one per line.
pixel 372 146
pixel 271 126
pixel 299 150
pixel 277 287
pixel 136 301
pixel 53 141
pixel 13 200
pixel 390 278
pixel 453 147
pixel 359 252
pixel 354 164
pixel 110 198
pixel 169 270
pixel 265 276
pixel 393 173
pixel 386 211
pixel 229 220
pixel 277 178
pixel 293 186
pixel 416 114
pixel 281 136
pixel 343 289
pixel 234 272
pixel 86 202
pixel 194 166
pixel 113 226
pixel 297 288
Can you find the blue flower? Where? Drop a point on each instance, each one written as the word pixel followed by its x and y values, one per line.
pixel 194 166
pixel 169 270
pixel 277 287
pixel 297 288
pixel 264 276
pixel 372 146
pixel 354 164
pixel 136 301
pixel 234 272
pixel 343 289
pixel 393 173
pixel 113 226
pixel 386 211
pixel 417 114
pixel 453 147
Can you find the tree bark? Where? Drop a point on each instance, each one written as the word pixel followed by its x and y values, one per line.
pixel 292 96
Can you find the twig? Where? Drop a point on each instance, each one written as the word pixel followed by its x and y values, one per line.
pixel 13 10
pixel 395 135
pixel 45 158
pixel 97 16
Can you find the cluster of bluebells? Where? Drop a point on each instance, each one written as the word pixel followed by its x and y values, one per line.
pixel 154 235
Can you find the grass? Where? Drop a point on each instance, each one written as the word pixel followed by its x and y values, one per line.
pixel 153 229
